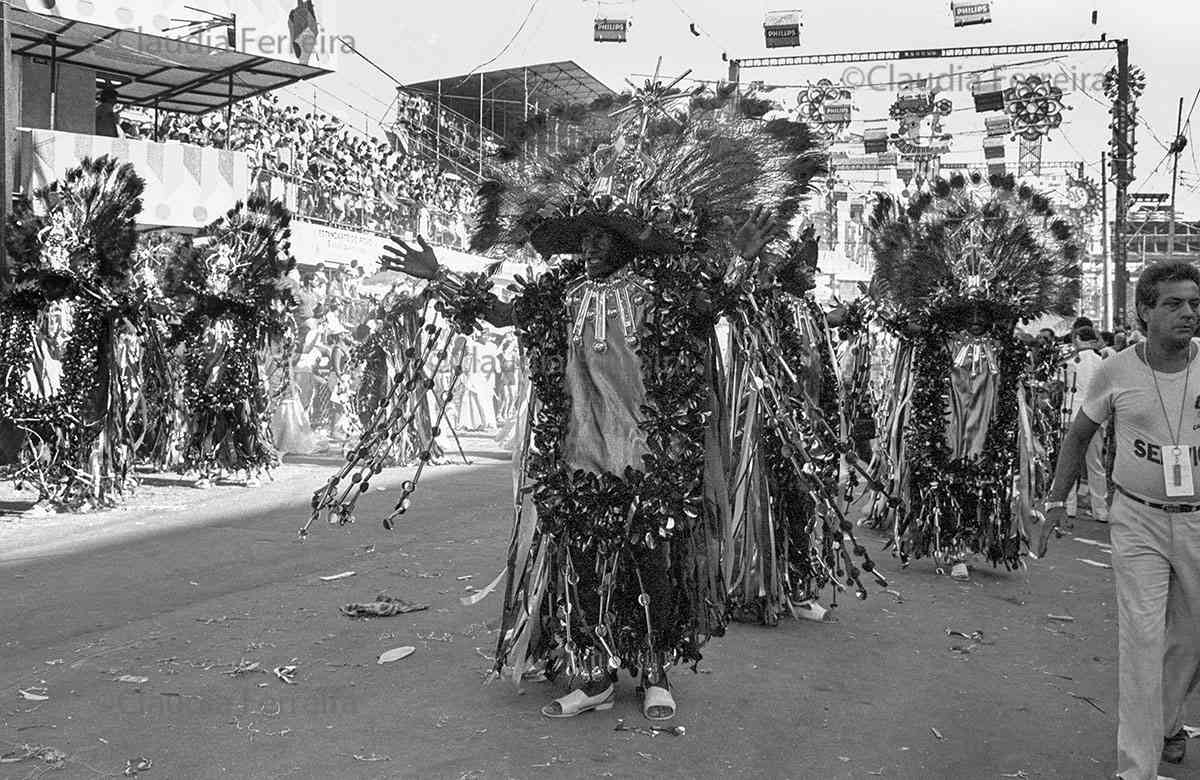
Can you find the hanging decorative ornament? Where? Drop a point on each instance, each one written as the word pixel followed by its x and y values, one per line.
pixel 1080 200
pixel 1083 195
pixel 1137 82
pixel 1035 107
pixel 826 105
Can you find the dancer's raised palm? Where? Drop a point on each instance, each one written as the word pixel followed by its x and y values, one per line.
pixel 400 256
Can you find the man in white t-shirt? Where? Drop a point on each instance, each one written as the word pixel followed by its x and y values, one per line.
pixel 1081 367
pixel 1152 390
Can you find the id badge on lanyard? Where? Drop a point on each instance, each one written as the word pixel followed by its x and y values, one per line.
pixel 1177 470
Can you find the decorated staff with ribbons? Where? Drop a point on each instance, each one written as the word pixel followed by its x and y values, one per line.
pixel 956 268
pixel 400 336
pixel 621 492
pixel 71 390
pixel 234 278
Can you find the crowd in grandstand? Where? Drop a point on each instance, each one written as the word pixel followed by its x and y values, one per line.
pixel 324 169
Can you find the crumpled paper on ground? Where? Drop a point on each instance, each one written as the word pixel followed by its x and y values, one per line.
pixel 382 606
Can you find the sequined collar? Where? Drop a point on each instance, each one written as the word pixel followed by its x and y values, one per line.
pixel 978 352
pixel 621 294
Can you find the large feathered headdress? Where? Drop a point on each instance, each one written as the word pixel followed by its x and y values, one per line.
pixel 80 230
pixel 664 181
pixel 973 242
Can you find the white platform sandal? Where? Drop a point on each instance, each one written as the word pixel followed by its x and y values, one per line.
pixel 660 698
pixel 577 702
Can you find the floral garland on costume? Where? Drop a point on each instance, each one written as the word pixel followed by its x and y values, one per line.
pixel 949 491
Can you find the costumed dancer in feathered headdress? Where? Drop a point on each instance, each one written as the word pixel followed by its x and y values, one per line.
pixel 956 268
pixel 621 485
pixel 72 260
pixel 786 530
pixel 235 276
pixel 72 385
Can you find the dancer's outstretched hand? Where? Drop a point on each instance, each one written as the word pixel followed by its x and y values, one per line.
pixel 400 256
pixel 754 234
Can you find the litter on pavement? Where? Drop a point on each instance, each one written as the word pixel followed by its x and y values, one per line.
pixel 382 606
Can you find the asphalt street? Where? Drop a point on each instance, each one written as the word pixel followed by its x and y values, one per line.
pixel 120 634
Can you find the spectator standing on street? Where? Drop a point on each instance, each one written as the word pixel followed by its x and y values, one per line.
pixel 476 409
pixel 1081 369
pixel 1152 389
pixel 508 377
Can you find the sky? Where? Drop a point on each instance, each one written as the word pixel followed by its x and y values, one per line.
pixel 415 40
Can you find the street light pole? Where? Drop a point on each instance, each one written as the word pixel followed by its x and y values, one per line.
pixel 1176 148
pixel 1122 153
pixel 1106 271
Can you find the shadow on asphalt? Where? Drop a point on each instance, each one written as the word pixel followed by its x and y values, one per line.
pixel 173 509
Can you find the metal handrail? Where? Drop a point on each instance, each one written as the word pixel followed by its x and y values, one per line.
pixel 313 202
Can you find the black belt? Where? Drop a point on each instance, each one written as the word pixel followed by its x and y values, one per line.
pixel 1173 509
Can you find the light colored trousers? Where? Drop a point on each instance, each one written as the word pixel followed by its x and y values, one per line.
pixel 1156 563
pixel 1097 482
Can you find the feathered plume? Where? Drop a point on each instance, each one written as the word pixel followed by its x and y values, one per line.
pixel 967 240
pixel 667 191
pixel 80 229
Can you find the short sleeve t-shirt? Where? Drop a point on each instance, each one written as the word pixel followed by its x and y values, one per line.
pixel 1124 387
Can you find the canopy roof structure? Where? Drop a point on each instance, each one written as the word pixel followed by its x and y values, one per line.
pixel 505 93
pixel 152 70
